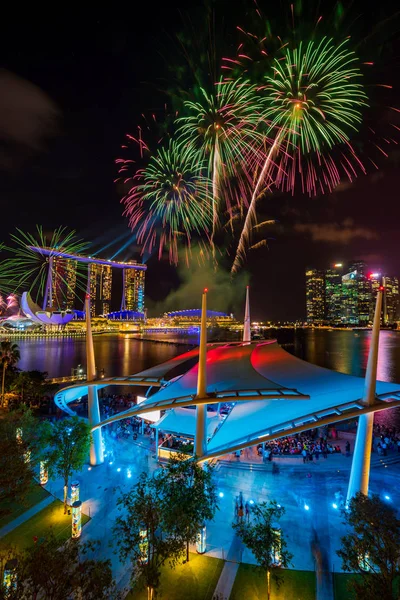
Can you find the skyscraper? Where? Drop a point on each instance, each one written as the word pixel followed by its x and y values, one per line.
pixel 133 292
pixel 390 299
pixel 333 294
pixel 350 299
pixel 315 293
pixel 64 283
pixel 100 288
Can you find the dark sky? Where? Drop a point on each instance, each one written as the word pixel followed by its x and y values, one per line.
pixel 93 80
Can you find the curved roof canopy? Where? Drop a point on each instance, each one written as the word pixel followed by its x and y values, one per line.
pixel 273 391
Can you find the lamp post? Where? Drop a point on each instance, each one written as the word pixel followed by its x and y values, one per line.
pixel 44 472
pixel 76 520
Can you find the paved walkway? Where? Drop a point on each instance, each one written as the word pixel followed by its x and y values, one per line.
pixel 228 574
pixel 26 516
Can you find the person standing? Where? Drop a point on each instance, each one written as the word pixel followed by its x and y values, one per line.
pixel 347 448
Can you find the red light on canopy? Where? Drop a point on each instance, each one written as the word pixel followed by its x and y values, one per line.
pixel 381 288
pixel 205 290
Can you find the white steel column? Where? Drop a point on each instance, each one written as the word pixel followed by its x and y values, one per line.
pixel 360 467
pixel 201 410
pixel 96 445
pixel 246 323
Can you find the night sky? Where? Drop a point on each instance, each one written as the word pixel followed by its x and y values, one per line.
pixel 93 78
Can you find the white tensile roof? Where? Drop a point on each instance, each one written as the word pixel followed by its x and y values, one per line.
pixel 260 366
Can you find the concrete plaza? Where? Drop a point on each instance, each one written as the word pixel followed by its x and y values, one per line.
pixel 313 535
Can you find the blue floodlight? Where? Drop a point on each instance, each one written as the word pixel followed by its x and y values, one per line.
pixel 306 507
pixel 111 462
pixel 129 473
pixel 221 494
pixel 387 497
pixel 278 505
pixel 251 501
pixel 334 505
pixel 119 469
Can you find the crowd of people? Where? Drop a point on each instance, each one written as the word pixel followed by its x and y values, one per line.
pixel 385 439
pixel 307 445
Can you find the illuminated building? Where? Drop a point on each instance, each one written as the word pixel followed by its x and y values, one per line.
pixel 64 283
pixel 315 296
pixel 350 298
pixel 390 299
pixel 333 294
pixel 133 290
pixel 100 289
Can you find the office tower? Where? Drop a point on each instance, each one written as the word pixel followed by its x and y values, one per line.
pixel 100 289
pixel 333 294
pixel 390 299
pixel 364 299
pixel 63 283
pixel 315 291
pixel 350 299
pixel 133 290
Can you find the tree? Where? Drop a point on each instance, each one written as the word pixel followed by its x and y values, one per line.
pixel 9 356
pixel 23 440
pixel 69 442
pixel 264 538
pixel 189 497
pixel 49 572
pixel 32 385
pixel 140 534
pixel 372 548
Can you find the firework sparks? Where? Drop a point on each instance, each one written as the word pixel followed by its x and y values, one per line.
pixel 314 99
pixel 27 267
pixel 168 202
pixel 222 128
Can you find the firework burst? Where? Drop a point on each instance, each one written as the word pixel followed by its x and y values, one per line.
pixel 222 129
pixel 168 203
pixel 313 99
pixel 27 267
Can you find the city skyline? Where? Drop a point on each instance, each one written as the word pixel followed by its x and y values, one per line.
pixel 345 295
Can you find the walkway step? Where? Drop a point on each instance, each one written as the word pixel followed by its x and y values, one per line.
pixel 25 516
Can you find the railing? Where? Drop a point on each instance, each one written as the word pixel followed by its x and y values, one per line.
pixel 67 378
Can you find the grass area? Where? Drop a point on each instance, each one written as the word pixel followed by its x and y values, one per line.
pixel 196 580
pixel 251 583
pixel 51 517
pixel 341 581
pixel 34 495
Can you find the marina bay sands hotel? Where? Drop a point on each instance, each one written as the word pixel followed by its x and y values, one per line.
pixel 67 271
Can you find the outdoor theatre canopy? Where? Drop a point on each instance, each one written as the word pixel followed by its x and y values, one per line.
pixel 289 393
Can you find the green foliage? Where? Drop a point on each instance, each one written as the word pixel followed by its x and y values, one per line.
pixel 69 442
pixel 263 537
pixel 188 497
pixel 140 534
pixel 31 385
pixel 9 356
pixel 22 445
pixel 372 548
pixel 47 571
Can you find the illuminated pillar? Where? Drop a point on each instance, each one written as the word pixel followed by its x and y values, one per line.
pixel 201 409
pixel 246 324
pixel 44 472
pixel 201 541
pixel 360 467
pixel 76 520
pixel 96 445
pixel 74 492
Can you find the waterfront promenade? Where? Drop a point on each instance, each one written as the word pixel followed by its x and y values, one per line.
pixel 295 486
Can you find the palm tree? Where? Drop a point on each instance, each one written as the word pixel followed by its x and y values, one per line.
pixel 9 355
